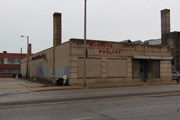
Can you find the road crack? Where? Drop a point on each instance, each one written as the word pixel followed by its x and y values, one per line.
pixel 178 109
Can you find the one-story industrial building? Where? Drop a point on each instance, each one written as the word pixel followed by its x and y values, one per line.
pixel 108 63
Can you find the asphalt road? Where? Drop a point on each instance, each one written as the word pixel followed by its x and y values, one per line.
pixel 127 103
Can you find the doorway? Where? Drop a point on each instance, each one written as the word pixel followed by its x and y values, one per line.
pixel 143 70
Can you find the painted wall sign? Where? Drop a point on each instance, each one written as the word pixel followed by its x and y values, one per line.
pixel 105 45
pixel 39 57
pixel 113 52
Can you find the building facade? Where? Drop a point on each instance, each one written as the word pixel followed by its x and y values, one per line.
pixel 108 63
pixel 10 64
pixel 171 39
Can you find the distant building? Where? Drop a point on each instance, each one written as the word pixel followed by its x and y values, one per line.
pixel 126 41
pixel 138 42
pixel 153 42
pixel 171 39
pixel 150 42
pixel 10 64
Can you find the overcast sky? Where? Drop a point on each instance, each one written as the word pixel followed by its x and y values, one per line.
pixel 111 20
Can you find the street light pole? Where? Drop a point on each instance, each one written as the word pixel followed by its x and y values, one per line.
pixel 27 54
pixel 85 60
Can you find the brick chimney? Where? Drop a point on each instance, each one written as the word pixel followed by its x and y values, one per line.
pixel 165 26
pixel 57 29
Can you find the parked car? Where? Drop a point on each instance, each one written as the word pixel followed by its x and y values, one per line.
pixel 175 74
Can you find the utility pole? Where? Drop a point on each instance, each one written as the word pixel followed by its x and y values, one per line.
pixel 20 59
pixel 27 54
pixel 85 60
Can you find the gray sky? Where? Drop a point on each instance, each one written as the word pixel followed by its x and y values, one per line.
pixel 111 20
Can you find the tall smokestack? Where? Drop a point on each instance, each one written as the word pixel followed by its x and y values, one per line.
pixel 165 25
pixel 57 29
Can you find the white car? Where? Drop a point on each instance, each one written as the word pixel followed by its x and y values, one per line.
pixel 175 74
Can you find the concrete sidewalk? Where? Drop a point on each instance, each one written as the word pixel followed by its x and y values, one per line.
pixel 23 85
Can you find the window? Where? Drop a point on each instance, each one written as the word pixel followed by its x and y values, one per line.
pixel 153 69
pixel 16 71
pixel 135 69
pixel 7 60
pixel 0 60
pixel 7 72
pixel 16 60
pixel 116 68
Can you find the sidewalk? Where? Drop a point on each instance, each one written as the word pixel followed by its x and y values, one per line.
pixel 20 85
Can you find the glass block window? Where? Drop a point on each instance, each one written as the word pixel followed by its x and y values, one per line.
pixel 16 60
pixel 7 60
pixel 7 72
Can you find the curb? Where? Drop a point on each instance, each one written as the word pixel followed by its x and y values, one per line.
pixel 38 89
pixel 95 86
pixel 106 85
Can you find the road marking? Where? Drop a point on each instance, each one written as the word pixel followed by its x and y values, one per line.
pixel 65 102
pixel 86 118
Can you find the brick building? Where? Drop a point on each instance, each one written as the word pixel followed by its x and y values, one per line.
pixel 10 64
pixel 170 38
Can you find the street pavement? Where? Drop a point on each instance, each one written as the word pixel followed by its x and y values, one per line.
pixel 19 90
pixel 26 100
pixel 24 85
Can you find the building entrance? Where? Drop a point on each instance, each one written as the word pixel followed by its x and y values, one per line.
pixel 143 70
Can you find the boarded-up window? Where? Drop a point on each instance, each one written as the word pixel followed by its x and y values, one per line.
pixel 93 67
pixel 153 69
pixel 135 69
pixel 116 68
